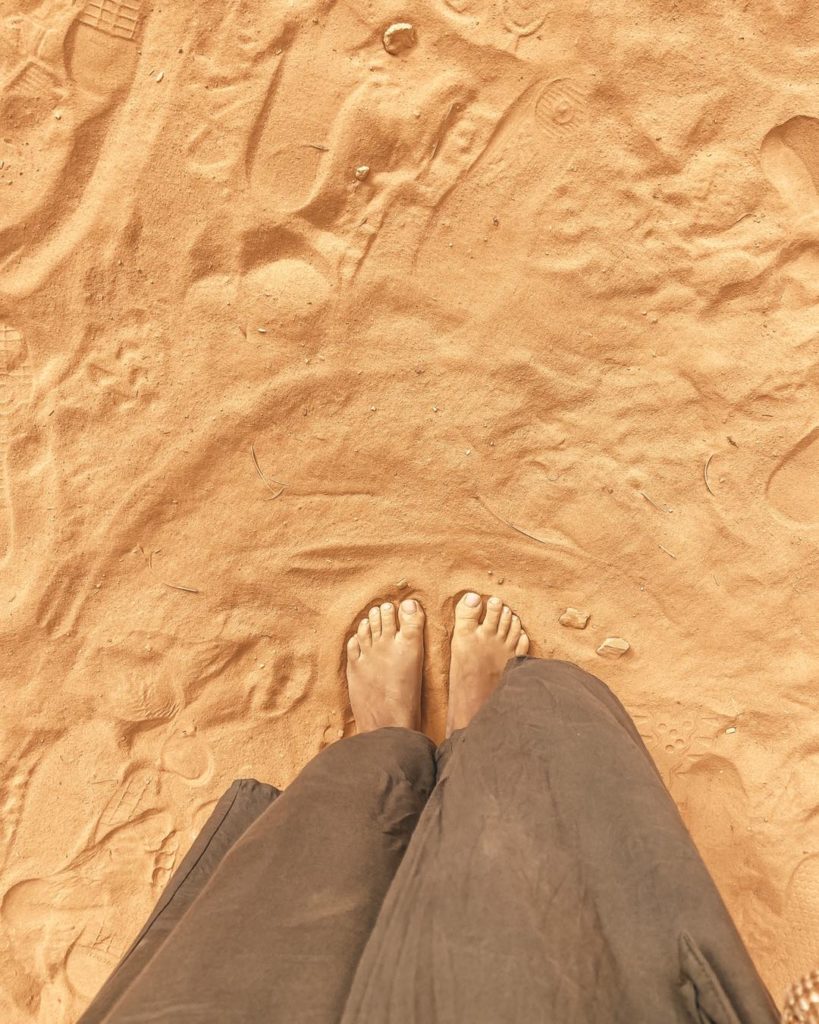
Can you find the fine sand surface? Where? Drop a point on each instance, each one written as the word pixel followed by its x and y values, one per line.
pixel 244 392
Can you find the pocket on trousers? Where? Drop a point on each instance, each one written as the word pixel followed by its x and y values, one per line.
pixel 702 991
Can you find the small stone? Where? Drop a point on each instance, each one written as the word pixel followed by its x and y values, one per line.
pixel 731 730
pixel 399 38
pixel 362 172
pixel 373 408
pixel 613 647
pixel 160 76
pixel 574 619
pixel 402 584
pixel 500 579
pixel 468 451
pixel 58 115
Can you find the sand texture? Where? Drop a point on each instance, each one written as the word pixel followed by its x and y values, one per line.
pixel 294 314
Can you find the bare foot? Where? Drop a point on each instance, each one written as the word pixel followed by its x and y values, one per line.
pixel 480 651
pixel 385 661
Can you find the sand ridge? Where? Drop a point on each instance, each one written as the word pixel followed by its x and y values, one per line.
pixel 245 391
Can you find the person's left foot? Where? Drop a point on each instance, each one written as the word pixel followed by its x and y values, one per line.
pixel 385 661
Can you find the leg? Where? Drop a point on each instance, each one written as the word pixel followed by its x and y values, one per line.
pixel 235 812
pixel 552 879
pixel 277 930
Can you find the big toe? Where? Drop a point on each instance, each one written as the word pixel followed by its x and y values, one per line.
pixel 468 611
pixel 411 617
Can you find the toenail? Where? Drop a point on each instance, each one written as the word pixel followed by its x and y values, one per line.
pixel 409 605
pixel 386 607
pixel 473 599
pixel 495 601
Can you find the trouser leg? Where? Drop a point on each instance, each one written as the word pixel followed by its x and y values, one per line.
pixel 234 813
pixel 276 932
pixel 551 878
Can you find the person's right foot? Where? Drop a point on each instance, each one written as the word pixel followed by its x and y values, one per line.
pixel 481 647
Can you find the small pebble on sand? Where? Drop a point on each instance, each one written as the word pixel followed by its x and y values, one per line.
pixel 613 647
pixel 574 619
pixel 399 38
pixel 362 172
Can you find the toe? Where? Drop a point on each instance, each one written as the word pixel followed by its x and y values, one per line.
pixel 523 646
pixel 388 626
pixel 505 622
pixel 411 617
pixel 364 635
pixel 353 649
pixel 375 622
pixel 515 631
pixel 492 618
pixel 468 611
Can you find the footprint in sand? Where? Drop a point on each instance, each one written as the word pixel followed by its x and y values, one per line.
pixel 790 160
pixel 115 17
pixel 524 17
pixel 70 71
pixel 15 392
pixel 677 743
pixel 533 140
pixel 793 487
pixel 560 109
pixel 286 297
pixel 73 925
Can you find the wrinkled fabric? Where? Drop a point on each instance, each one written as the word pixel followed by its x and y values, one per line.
pixel 234 813
pixel 547 877
pixel 276 931
pixel 551 879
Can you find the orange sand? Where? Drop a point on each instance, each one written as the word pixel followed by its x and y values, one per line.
pixel 583 262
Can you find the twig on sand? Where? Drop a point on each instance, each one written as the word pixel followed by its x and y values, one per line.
pixel 263 478
pixel 149 560
pixel 705 472
pixel 506 522
pixel 666 551
pixel 654 503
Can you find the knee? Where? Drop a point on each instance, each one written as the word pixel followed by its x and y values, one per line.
pixel 398 754
pixel 548 682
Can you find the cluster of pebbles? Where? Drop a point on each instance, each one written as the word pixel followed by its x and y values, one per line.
pixel 612 647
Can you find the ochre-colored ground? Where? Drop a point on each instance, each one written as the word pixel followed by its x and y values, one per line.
pixel 243 393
